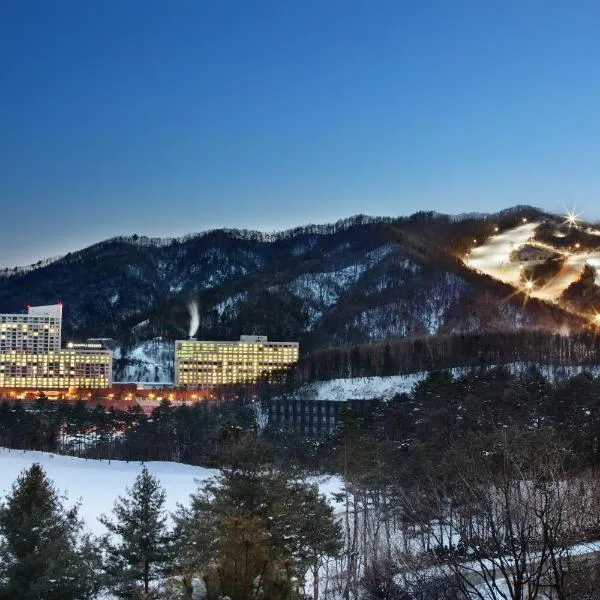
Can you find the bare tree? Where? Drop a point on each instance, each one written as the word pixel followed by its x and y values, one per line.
pixel 512 520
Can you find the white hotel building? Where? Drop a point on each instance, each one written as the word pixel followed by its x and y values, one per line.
pixel 31 357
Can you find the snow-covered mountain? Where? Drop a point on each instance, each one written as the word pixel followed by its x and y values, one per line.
pixel 358 281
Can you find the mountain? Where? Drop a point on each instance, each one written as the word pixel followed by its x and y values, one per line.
pixel 360 280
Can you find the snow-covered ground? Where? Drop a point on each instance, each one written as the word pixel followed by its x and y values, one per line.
pixel 360 388
pixel 98 483
pixel 385 388
pixel 493 256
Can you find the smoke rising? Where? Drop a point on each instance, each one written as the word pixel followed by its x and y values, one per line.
pixel 194 317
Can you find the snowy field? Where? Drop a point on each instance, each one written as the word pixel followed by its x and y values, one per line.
pixel 96 484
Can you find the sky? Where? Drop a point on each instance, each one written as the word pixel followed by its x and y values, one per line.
pixel 168 117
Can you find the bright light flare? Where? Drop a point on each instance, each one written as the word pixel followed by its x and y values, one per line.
pixel 528 286
pixel 572 218
pixel 596 319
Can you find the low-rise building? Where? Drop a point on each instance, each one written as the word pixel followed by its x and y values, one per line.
pixel 310 417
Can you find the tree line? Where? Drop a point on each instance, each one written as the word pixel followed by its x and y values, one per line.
pixel 434 353
pixel 441 409
pixel 181 433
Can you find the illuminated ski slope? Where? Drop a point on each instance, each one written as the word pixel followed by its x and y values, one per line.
pixel 493 258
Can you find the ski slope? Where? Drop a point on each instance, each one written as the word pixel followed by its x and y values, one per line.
pixel 493 258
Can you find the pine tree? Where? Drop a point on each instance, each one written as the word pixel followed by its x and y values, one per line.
pixel 139 547
pixel 43 553
pixel 286 526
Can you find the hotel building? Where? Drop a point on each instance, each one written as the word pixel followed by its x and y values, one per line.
pixel 201 364
pixel 31 356
pixel 36 332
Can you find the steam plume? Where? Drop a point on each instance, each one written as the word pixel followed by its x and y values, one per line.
pixel 194 317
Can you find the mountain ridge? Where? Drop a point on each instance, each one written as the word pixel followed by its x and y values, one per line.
pixel 359 280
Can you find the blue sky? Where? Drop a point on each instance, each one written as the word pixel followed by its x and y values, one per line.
pixel 167 117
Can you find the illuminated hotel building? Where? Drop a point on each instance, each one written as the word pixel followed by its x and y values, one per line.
pixel 37 331
pixel 205 363
pixel 31 357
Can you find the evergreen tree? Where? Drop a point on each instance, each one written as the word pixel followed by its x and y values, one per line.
pixel 139 548
pixel 287 526
pixel 43 553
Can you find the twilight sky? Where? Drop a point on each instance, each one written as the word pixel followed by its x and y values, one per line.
pixel 168 117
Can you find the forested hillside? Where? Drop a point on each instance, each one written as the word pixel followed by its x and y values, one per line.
pixel 360 280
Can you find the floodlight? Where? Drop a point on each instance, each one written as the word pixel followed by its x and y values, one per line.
pixel 571 218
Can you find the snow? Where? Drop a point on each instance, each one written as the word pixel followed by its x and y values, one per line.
pixel 493 258
pixel 141 324
pixel 323 289
pixel 594 261
pixel 570 273
pixel 98 483
pixel 387 280
pixel 232 303
pixel 474 569
pixel 385 388
pixel 360 388
pixel 326 287
pixel 381 252
pixel 149 361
